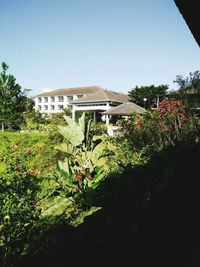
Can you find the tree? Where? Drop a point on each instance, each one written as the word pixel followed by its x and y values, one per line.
pixel 188 89
pixel 190 82
pixel 147 96
pixel 13 100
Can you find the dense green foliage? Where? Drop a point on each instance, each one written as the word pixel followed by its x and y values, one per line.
pixel 56 194
pixel 13 100
pixel 25 163
pixel 124 192
pixel 188 89
pixel 156 130
pixel 147 96
pixel 80 172
pixel 150 201
pixel 19 187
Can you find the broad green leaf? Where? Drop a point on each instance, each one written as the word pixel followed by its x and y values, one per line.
pixel 64 166
pixel 66 147
pixel 57 207
pixel 69 121
pixel 82 122
pixel 72 133
pixel 98 177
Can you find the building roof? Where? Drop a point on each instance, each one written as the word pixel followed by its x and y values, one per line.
pixel 72 91
pixel 103 95
pixel 124 109
pixel 190 12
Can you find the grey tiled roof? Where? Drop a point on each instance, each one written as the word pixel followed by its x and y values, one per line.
pixel 72 91
pixel 102 95
pixel 125 109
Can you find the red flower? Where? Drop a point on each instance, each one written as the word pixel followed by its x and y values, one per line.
pixel 31 172
pixel 79 176
pixel 138 125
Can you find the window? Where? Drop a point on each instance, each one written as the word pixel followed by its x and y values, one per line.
pixel 60 107
pixel 39 99
pixel 60 98
pixel 52 107
pixel 70 98
pixel 45 99
pixel 52 99
pixel 39 107
pixel 45 107
pixel 92 105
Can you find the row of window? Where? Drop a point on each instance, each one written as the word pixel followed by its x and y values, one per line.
pixel 60 98
pixel 92 105
pixel 52 107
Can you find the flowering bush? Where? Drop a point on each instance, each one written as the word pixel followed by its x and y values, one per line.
pixel 168 125
pixel 27 164
pixel 19 188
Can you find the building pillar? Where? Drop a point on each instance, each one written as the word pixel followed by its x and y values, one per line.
pixel 94 117
pixel 73 114
pixel 107 119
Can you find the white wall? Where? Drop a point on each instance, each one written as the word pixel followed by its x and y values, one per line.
pixel 49 103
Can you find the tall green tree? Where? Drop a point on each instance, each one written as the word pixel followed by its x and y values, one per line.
pixel 147 96
pixel 13 100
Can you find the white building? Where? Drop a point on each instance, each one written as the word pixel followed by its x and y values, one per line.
pixel 92 98
pixel 55 101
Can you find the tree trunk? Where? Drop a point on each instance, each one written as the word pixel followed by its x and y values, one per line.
pixel 2 127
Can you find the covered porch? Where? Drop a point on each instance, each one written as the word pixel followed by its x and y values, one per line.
pixel 122 111
pixel 96 110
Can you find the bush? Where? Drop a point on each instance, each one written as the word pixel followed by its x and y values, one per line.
pixel 98 128
pixel 156 130
pixel 19 188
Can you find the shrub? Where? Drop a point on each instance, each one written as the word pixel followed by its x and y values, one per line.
pixel 19 188
pixel 98 128
pixel 155 130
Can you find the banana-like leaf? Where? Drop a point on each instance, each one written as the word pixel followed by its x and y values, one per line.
pixel 72 133
pixel 82 122
pixel 64 166
pixel 56 207
pixel 69 121
pixel 98 156
pixel 67 147
pixel 98 137
pixel 87 134
pixel 98 177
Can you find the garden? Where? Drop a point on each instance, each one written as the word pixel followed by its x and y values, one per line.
pixel 70 195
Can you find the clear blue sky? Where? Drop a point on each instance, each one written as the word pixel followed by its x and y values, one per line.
pixel 116 44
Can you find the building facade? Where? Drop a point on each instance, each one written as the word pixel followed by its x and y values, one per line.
pixel 89 99
pixel 55 101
